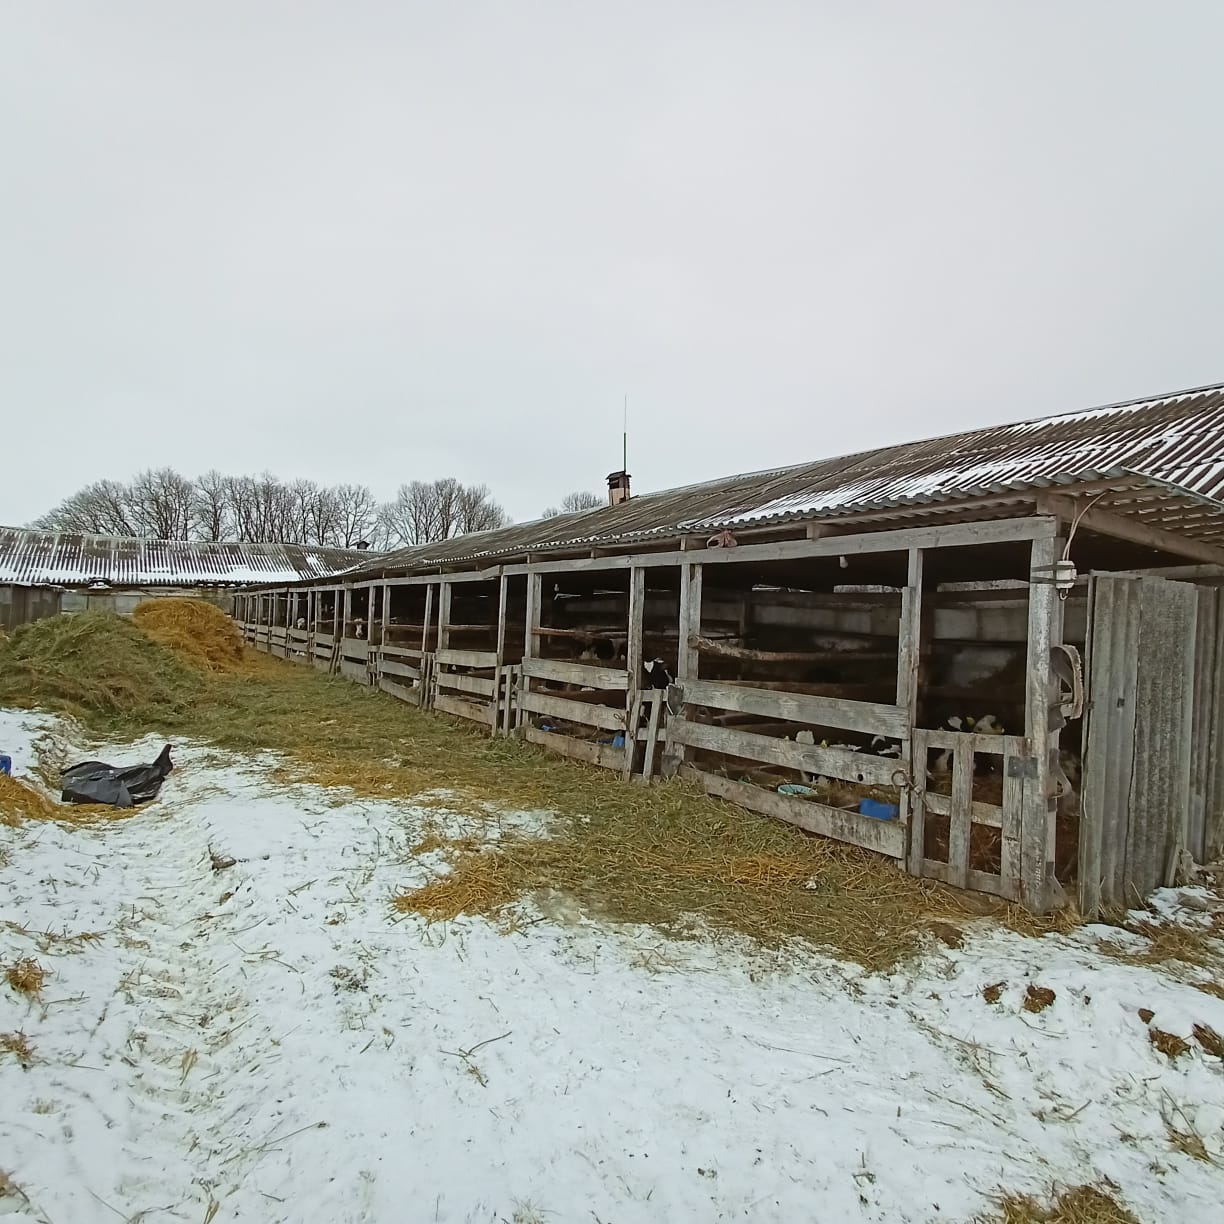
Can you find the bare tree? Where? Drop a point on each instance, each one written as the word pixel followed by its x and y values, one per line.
pixel 357 514
pixel 210 508
pixel 571 503
pixel 424 512
pixel 263 509
pixel 102 508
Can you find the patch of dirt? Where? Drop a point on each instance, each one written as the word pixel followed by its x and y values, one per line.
pixel 1038 998
pixel 1169 1044
pixel 994 992
pixel 1146 1014
pixel 947 934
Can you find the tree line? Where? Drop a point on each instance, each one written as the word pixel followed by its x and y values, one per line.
pixel 164 504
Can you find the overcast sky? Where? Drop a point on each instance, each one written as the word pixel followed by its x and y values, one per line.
pixel 363 241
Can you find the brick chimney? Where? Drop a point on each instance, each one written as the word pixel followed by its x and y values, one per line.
pixel 618 488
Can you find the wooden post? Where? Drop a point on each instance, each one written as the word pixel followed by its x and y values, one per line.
pixel 688 660
pixel 635 663
pixel 1045 626
pixel 915 627
pixel 386 612
pixel 503 604
pixel 445 591
pixel 531 641
pixel 502 694
pixel 429 586
pixel 535 600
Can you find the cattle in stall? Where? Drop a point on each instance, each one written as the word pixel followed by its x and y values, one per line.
pixel 300 623
pixel 882 746
pixel 659 676
pixel 360 629
pixel 988 724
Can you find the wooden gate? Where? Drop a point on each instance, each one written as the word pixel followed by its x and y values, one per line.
pixel 962 840
pixel 1136 806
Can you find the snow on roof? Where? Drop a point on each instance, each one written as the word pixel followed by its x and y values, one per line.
pixel 1175 440
pixel 50 558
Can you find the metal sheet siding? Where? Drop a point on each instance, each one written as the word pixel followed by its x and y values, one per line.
pixel 42 558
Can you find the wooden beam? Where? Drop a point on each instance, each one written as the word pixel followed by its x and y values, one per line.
pixel 728 650
pixel 864 716
pixel 1123 528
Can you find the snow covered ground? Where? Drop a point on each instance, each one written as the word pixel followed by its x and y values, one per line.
pixel 271 1042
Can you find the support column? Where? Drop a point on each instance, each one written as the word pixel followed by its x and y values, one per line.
pixel 445 593
pixel 1045 629
pixel 913 652
pixel 429 586
pixel 634 662
pixel 688 660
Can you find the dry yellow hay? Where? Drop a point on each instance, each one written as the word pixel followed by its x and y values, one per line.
pixel 1079 1205
pixel 197 631
pixel 477 884
pixel 19 1046
pixel 18 802
pixel 26 976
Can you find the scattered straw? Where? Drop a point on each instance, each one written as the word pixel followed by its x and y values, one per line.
pixel 1188 1143
pixel 1079 1205
pixel 994 992
pixel 1168 941
pixel 26 976
pixel 1169 1044
pixel 19 1046
pixel 1209 1039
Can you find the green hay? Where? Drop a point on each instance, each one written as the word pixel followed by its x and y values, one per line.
pixel 97 667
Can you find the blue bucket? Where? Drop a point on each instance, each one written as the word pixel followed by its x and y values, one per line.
pixel 6 763
pixel 877 810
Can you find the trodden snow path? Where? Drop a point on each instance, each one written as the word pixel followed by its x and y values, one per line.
pixel 270 1043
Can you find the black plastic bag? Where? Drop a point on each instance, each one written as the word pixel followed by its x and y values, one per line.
pixel 97 782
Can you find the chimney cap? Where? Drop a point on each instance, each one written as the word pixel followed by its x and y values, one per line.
pixel 619 477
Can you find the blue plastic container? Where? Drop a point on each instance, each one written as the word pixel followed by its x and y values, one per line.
pixel 877 810
pixel 6 763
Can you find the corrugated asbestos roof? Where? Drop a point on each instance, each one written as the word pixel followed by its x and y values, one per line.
pixel 1161 454
pixel 49 558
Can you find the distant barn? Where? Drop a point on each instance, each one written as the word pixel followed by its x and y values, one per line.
pixel 43 573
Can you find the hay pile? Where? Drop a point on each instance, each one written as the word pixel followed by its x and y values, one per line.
pixel 1079 1205
pixel 98 667
pixel 20 802
pixel 198 632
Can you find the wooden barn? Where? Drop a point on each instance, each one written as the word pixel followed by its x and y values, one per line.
pixel 993 657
